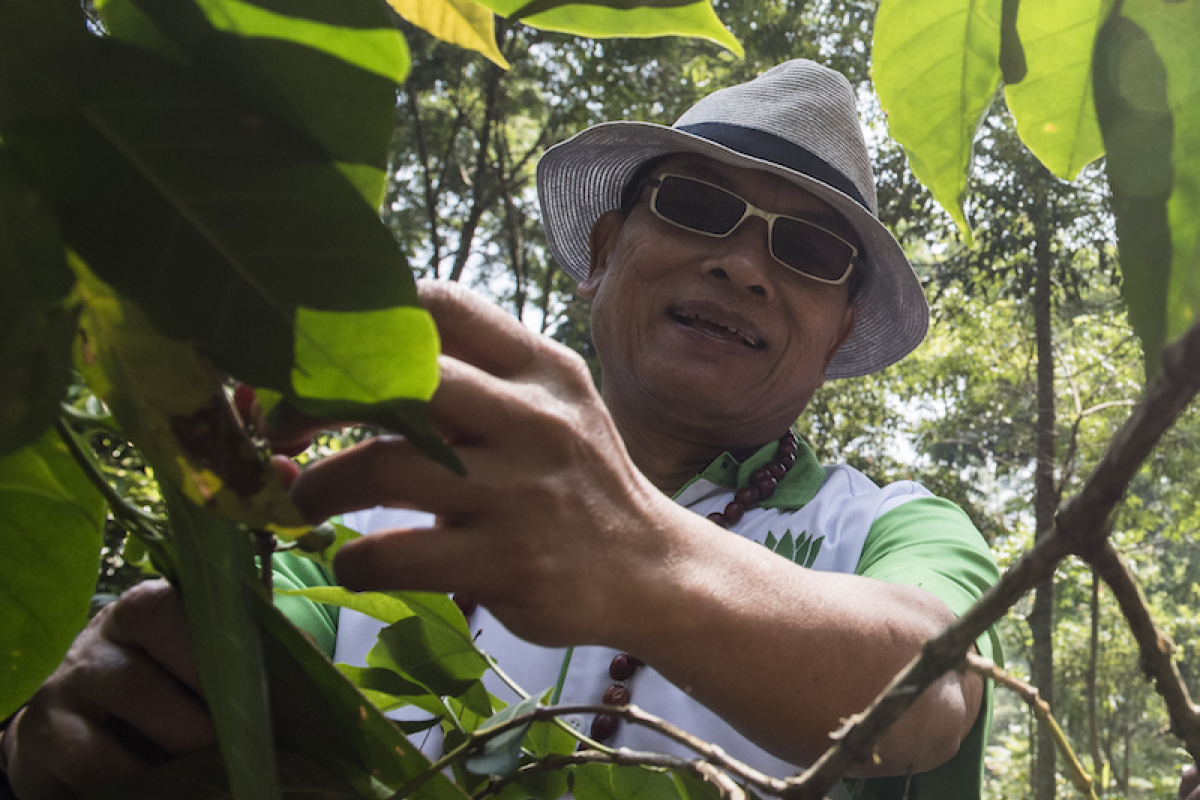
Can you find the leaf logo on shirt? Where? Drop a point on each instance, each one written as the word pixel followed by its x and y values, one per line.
pixel 802 549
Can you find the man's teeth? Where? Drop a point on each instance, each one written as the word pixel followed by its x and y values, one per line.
pixel 749 340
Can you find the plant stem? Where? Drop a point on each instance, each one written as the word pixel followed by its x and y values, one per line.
pixel 123 510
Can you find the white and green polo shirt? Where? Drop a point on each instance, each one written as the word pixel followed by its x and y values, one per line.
pixel 825 518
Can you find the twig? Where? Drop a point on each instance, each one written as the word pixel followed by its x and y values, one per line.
pixel 1155 648
pixel 710 753
pixel 1079 776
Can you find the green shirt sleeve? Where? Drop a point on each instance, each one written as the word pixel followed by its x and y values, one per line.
pixel 930 543
pixel 290 571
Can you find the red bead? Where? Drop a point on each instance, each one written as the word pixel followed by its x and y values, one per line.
pixel 622 667
pixel 603 727
pixel 747 496
pixel 617 695
pixel 765 485
pixel 733 512
pixel 786 459
pixel 777 470
pixel 718 518
pixel 466 604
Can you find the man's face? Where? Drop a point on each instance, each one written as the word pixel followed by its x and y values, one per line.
pixel 714 331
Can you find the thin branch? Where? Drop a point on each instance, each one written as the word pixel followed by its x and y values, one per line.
pixel 128 515
pixel 1155 647
pixel 710 753
pixel 1079 776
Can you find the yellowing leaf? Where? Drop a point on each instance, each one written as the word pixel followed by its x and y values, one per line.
pixel 327 339
pixel 636 19
pixel 460 22
pixel 936 65
pixel 1054 105
pixel 171 406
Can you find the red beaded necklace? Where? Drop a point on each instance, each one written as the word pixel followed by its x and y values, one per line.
pixel 761 486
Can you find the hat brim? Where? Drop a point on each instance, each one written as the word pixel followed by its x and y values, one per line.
pixel 582 178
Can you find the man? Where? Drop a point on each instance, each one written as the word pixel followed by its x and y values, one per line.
pixel 719 255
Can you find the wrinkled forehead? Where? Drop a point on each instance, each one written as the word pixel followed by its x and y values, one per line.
pixel 765 190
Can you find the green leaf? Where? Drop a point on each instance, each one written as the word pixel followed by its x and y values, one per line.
pixel 1147 104
pixel 630 18
pixel 936 65
pixel 427 640
pixel 215 564
pixel 170 404
pixel 227 228
pixel 434 655
pixel 814 552
pixel 502 754
pixel 319 714
pixel 803 542
pixel 44 52
pixel 51 519
pixel 787 546
pixel 1174 30
pixel 692 788
pixel 329 70
pixel 37 321
pixel 201 776
pixel 460 22
pixel 383 606
pixel 610 782
pixel 388 690
pixel 1054 105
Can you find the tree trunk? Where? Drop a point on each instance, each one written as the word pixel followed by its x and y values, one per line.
pixel 1041 619
pixel 1093 668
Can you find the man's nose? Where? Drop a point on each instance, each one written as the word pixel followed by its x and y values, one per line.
pixel 744 257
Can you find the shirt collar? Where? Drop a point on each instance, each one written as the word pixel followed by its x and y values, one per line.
pixel 798 487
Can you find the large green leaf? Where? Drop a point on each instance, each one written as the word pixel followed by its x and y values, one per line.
pixel 173 408
pixel 1174 30
pixel 44 51
pixel 632 18
pixel 936 65
pixel 427 640
pixel 1149 110
pixel 216 565
pixel 330 70
pixel 37 322
pixel 1054 104
pixel 610 782
pixel 320 714
pixel 231 231
pixel 51 519
pixel 461 22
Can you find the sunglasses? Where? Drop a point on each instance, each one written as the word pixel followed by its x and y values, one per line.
pixel 705 208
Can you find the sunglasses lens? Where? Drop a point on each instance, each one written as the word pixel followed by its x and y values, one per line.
pixel 698 206
pixel 810 250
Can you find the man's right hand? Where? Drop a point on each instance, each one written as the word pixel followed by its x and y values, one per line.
pixel 125 698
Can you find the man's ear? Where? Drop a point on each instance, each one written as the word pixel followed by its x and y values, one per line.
pixel 602 242
pixel 849 319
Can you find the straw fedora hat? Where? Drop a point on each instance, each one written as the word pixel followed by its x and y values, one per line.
pixel 797 120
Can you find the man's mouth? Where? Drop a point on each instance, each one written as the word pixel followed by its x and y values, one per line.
pixel 719 330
